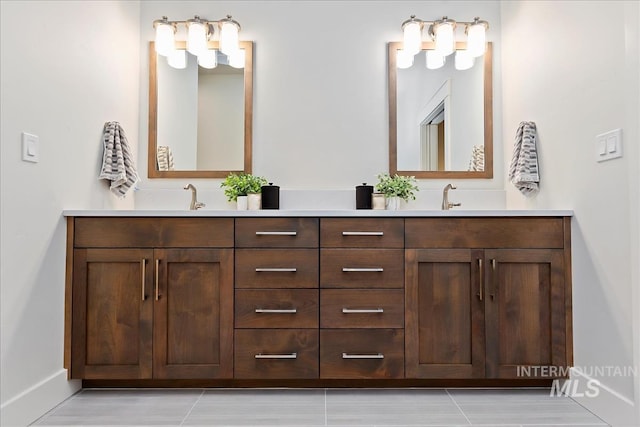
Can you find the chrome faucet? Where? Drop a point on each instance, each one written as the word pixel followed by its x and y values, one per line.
pixel 445 198
pixel 195 204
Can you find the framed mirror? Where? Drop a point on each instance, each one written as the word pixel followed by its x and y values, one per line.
pixel 440 121
pixel 200 120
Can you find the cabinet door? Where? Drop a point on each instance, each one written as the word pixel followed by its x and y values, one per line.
pixel 193 314
pixel 112 314
pixel 444 323
pixel 525 319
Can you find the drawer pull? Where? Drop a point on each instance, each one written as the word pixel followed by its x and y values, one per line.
pixel 362 270
pixel 362 356
pixel 360 311
pixel 276 233
pixel 276 270
pixel 277 311
pixel 276 356
pixel 363 233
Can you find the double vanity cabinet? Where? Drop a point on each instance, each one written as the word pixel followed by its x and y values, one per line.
pixel 290 298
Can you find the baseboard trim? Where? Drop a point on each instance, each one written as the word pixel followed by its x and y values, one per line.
pixel 613 407
pixel 31 404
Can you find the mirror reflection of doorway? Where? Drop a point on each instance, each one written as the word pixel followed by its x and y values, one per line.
pixel 432 137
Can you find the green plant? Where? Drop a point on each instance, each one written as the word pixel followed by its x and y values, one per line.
pixel 242 184
pixel 397 186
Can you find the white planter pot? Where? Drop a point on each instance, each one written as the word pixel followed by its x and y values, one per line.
pixel 392 203
pixel 241 203
pixel 254 201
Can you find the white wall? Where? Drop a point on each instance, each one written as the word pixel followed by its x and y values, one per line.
pixel 66 68
pixel 572 67
pixel 320 87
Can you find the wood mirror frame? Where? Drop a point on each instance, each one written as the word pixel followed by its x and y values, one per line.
pixel 488 120
pixel 152 170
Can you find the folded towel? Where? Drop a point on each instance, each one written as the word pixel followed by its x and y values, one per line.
pixel 523 172
pixel 477 159
pixel 164 157
pixel 118 165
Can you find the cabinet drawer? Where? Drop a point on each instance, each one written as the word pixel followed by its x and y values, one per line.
pixel 361 353
pixel 276 232
pixel 276 268
pixel 362 233
pixel 530 232
pixel 153 232
pixel 361 308
pixel 362 268
pixel 276 308
pixel 276 353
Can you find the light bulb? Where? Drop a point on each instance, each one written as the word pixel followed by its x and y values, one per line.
pixel 445 36
pixel 229 36
pixel 165 37
pixel 412 36
pixel 404 59
pixel 477 38
pixel 464 60
pixel 236 59
pixel 197 35
pixel 208 59
pixel 434 60
pixel 178 59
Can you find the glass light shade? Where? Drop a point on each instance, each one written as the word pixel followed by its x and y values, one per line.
pixel 208 59
pixel 434 60
pixel 445 38
pixel 476 39
pixel 165 39
pixel 404 59
pixel 229 37
pixel 178 59
pixel 236 59
pixel 412 37
pixel 464 60
pixel 197 38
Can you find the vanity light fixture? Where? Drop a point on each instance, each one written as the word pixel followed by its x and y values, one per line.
pixel 199 31
pixel 443 33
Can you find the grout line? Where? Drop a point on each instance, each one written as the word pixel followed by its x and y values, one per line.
pixel 192 406
pixel 457 406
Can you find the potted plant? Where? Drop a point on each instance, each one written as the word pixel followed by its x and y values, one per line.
pixel 395 188
pixel 244 189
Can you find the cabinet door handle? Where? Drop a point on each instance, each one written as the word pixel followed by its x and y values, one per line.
pixel 362 356
pixel 143 266
pixel 481 278
pixel 276 270
pixel 277 310
pixel 157 279
pixel 276 356
pixel 363 233
pixel 276 233
pixel 365 310
pixel 362 270
pixel 493 268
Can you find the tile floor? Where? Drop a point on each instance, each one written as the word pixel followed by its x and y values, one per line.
pixel 320 407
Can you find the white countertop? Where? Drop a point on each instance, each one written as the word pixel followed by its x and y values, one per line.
pixel 318 213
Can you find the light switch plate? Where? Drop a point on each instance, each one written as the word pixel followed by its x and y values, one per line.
pixel 30 147
pixel 609 145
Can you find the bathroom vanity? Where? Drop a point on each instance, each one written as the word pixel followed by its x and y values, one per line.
pixel 276 298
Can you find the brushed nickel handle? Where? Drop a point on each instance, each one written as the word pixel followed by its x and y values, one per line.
pixel 276 270
pixel 493 264
pixel 143 265
pixel 363 233
pixel 366 310
pixel 493 267
pixel 276 233
pixel 276 356
pixel 362 270
pixel 277 310
pixel 480 294
pixel 362 356
pixel 157 279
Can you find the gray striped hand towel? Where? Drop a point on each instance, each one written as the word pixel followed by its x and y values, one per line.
pixel 523 172
pixel 118 165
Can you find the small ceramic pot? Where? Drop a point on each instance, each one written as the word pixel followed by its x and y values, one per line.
pixel 254 201
pixel 241 203
pixel 377 201
pixel 392 203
